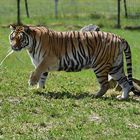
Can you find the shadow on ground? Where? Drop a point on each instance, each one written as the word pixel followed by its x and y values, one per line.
pixel 78 96
pixel 63 95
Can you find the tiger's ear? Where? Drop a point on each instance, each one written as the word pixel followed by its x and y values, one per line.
pixel 13 26
pixel 27 29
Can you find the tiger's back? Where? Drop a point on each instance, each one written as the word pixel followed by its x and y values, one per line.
pixel 78 50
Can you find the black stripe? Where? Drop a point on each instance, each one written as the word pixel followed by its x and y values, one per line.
pixel 45 73
pixel 103 82
pixel 81 48
pixel 43 78
pixel 129 69
pixel 39 43
pixel 65 65
pixel 101 68
pixel 115 69
pixel 25 36
pixel 101 76
pixel 34 45
pixel 74 53
pixel 128 57
pixel 128 53
pixel 129 64
pixel 44 53
pixel 121 80
pixel 130 76
pixel 89 45
pixel 97 53
pixel 80 59
pixel 125 49
pixel 94 36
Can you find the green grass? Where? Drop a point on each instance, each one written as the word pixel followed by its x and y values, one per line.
pixel 65 109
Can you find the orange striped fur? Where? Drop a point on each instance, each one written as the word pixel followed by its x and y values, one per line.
pixel 73 51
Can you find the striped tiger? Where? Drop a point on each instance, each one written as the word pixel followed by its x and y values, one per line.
pixel 73 51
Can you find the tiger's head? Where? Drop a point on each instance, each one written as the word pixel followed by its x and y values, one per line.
pixel 19 37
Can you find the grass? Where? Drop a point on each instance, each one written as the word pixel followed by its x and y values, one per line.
pixel 65 109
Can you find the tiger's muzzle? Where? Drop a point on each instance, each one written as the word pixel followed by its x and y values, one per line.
pixel 16 48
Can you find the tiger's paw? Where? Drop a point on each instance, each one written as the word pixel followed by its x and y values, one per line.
pixel 40 86
pixel 121 98
pixel 33 79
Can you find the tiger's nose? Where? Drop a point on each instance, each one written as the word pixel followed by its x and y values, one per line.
pixel 15 48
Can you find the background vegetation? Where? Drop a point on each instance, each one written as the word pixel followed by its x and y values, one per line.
pixel 65 109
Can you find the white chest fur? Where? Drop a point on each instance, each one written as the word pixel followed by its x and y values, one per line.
pixel 34 59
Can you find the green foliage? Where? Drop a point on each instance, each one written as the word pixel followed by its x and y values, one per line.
pixel 65 109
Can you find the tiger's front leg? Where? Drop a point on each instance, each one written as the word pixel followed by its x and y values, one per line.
pixel 37 77
pixel 34 79
pixel 45 66
pixel 42 80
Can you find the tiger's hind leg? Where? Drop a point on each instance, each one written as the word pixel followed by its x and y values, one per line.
pixel 42 80
pixel 104 84
pixel 123 82
pixel 117 73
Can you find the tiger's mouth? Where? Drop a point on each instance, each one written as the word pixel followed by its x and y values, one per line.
pixel 16 48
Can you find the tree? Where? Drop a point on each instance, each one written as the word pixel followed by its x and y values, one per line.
pixel 118 19
pixel 18 11
pixel 26 7
pixel 56 8
pixel 119 10
pixel 125 8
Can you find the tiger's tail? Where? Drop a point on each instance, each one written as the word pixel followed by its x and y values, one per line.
pixel 127 52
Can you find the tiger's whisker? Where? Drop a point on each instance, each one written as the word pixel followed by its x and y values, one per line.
pixel 19 59
pixel 9 53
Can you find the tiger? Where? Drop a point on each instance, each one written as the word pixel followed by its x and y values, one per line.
pixel 73 51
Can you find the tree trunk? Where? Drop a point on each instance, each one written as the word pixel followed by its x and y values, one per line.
pixel 56 8
pixel 118 19
pixel 125 8
pixel 26 7
pixel 18 12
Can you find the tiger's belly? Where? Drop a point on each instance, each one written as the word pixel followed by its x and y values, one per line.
pixel 66 64
pixel 73 65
